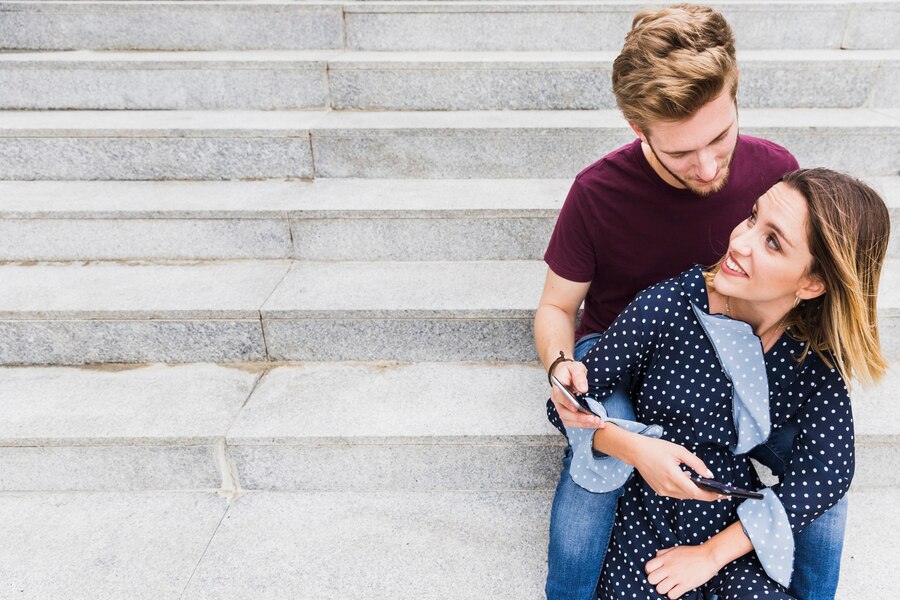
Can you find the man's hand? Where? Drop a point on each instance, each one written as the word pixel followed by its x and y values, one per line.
pixel 659 463
pixel 676 571
pixel 573 374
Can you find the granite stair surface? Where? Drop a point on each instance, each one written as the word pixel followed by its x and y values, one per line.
pixel 144 145
pixel 352 80
pixel 269 271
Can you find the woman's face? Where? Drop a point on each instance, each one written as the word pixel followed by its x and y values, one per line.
pixel 768 253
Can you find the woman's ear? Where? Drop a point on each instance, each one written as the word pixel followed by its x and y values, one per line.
pixel 811 286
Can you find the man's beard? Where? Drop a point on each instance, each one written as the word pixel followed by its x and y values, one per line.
pixel 702 192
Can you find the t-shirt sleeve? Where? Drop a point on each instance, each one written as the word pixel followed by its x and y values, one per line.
pixel 570 253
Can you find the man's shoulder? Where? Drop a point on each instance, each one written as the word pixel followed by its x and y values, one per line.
pixel 763 152
pixel 617 172
pixel 619 160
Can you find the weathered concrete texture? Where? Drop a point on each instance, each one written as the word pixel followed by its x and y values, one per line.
pixel 400 339
pixel 581 80
pixel 137 239
pixel 77 342
pixel 155 144
pixel 595 26
pixel 553 143
pixel 402 403
pixel 131 406
pixel 50 468
pixel 223 290
pixel 422 239
pixel 872 26
pixel 426 426
pixel 152 199
pixel 534 144
pixel 867 570
pixel 320 199
pixel 153 158
pixel 101 545
pixel 497 466
pixel 887 93
pixel 402 290
pixel 462 87
pixel 169 26
pixel 326 545
pixel 464 545
pixel 132 85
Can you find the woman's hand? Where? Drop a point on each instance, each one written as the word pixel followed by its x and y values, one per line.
pixel 573 374
pixel 676 571
pixel 659 463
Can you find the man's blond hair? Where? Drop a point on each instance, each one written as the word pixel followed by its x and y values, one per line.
pixel 674 61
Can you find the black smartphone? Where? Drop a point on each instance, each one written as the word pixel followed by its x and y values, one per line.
pixel 573 396
pixel 724 489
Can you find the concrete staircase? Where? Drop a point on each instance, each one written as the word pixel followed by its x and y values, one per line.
pixel 328 219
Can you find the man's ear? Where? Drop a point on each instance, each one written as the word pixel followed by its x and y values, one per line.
pixel 639 132
pixel 811 287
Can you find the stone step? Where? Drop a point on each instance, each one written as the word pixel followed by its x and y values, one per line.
pixel 330 545
pixel 490 25
pixel 371 220
pixel 142 145
pixel 285 80
pixel 305 427
pixel 274 310
pixel 326 220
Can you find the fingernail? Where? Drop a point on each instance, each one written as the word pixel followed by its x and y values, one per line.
pixel 709 474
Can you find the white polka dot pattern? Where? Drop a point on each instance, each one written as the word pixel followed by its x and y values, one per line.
pixel 683 383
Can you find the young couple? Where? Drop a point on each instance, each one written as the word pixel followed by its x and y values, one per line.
pixel 699 373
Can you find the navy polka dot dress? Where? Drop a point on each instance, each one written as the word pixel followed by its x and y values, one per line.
pixel 704 381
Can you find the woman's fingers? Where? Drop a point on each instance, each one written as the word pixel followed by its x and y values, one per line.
pixel 678 591
pixel 571 416
pixel 694 462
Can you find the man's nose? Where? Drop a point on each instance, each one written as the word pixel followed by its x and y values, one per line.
pixel 707 167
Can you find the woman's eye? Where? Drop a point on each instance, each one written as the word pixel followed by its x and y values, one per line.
pixel 752 218
pixel 773 243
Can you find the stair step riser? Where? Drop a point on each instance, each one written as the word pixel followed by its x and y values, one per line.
pixel 135 158
pixel 75 342
pixel 386 26
pixel 304 239
pixel 494 465
pixel 392 153
pixel 376 239
pixel 453 86
pixel 169 26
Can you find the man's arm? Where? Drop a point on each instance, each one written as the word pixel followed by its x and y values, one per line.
pixel 554 330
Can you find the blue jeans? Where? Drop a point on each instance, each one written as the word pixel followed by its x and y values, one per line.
pixel 581 522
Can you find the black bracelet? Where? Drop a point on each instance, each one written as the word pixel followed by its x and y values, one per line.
pixel 562 358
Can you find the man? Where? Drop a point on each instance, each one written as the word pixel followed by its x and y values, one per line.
pixel 639 215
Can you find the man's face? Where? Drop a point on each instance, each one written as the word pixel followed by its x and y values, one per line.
pixel 695 153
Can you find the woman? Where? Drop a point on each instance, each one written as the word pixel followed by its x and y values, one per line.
pixel 717 361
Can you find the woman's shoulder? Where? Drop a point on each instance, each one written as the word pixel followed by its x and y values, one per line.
pixel 685 288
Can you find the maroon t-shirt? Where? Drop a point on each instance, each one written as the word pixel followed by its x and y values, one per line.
pixel 623 228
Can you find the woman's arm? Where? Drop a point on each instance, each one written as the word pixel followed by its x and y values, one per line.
pixel 678 570
pixel 658 461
